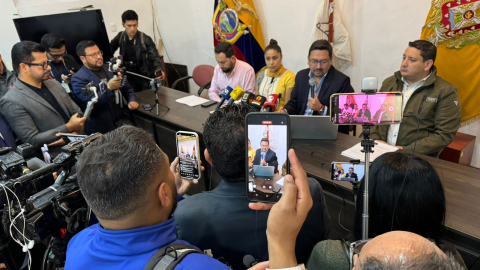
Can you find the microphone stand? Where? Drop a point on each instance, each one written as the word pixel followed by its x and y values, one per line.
pixel 154 87
pixel 368 145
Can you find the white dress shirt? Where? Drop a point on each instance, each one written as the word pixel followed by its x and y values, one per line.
pixel 407 91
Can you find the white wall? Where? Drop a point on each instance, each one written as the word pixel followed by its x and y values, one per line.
pixel 379 31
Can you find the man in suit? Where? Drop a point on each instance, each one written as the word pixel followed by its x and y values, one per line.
pixel 38 109
pixel 351 174
pixel 7 78
pixel 382 115
pixel 265 156
pixel 107 114
pixel 220 219
pixel 364 112
pixel 328 81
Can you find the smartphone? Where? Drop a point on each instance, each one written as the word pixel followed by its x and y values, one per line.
pixel 147 107
pixel 188 149
pixel 266 155
pixel 358 109
pixel 208 103
pixel 344 171
pixel 68 138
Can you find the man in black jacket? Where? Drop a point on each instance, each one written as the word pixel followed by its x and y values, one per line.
pixel 139 52
pixel 220 219
pixel 63 64
pixel 328 81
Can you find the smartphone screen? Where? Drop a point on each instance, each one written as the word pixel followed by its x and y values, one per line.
pixel 188 153
pixel 343 171
pixel 73 138
pixel 377 109
pixel 266 160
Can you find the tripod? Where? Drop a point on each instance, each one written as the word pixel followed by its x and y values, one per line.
pixel 368 145
pixel 155 84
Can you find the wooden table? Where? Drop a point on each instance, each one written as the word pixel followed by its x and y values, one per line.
pixel 461 183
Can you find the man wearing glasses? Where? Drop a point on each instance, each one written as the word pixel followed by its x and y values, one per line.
pixel 63 65
pixel 108 113
pixel 38 109
pixel 328 81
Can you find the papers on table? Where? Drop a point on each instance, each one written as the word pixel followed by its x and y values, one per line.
pixel 192 100
pixel 355 152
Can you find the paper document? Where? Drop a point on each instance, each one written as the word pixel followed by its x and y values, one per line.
pixel 192 100
pixel 355 152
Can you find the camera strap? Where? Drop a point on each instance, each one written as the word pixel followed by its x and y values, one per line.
pixel 167 258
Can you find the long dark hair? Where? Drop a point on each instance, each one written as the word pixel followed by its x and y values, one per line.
pixel 420 206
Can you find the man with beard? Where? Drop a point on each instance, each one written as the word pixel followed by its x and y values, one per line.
pixel 36 108
pixel 328 81
pixel 128 183
pixel 108 113
pixel 230 72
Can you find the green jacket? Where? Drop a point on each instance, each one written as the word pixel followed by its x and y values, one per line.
pixel 437 108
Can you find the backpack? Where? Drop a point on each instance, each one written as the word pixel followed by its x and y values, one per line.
pixel 167 258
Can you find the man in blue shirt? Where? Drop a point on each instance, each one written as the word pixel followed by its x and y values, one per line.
pixel 128 183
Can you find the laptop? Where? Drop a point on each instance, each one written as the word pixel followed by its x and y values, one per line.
pixel 263 171
pixel 312 127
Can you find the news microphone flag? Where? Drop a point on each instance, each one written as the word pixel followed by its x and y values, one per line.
pixel 258 102
pixel 237 23
pixel 236 94
pixel 225 96
pixel 272 103
pixel 248 98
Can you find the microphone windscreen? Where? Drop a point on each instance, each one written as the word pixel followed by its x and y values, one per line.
pixel 249 261
pixel 311 81
pixel 226 93
pixel 237 93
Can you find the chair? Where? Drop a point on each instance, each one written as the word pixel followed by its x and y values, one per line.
pixel 202 75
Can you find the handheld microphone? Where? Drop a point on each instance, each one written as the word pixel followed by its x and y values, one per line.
pixel 248 98
pixel 249 261
pixel 225 96
pixel 312 87
pixel 258 102
pixel 272 102
pixel 236 94
pixel 369 84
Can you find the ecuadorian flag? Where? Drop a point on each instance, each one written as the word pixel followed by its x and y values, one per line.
pixel 237 22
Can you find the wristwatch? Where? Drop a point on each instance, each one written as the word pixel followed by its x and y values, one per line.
pixel 299 267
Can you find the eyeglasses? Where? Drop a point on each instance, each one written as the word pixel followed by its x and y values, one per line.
pixel 43 65
pixel 316 62
pixel 57 55
pixel 95 54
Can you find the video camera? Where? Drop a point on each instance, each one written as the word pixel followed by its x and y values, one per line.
pixel 37 208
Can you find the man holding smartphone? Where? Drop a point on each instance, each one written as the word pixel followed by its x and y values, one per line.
pixel 219 220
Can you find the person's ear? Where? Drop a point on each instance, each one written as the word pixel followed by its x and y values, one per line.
pixel 207 157
pixel 123 24
pixel 83 59
pixel 428 64
pixel 164 195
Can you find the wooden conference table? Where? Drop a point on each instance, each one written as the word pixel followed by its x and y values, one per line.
pixel 461 183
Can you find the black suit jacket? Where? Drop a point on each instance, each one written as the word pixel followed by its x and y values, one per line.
pixel 354 175
pixel 220 220
pixel 334 82
pixel 367 114
pixel 270 158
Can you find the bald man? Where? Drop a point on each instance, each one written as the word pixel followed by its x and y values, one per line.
pixel 403 250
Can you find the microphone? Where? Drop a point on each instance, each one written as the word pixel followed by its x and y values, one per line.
pixel 249 261
pixel 369 84
pixel 236 94
pixel 312 87
pixel 272 102
pixel 248 98
pixel 258 102
pixel 225 96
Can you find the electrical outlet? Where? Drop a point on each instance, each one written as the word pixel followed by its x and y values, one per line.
pixel 113 27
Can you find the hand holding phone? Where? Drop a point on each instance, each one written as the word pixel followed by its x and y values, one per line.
pixel 268 139
pixel 188 152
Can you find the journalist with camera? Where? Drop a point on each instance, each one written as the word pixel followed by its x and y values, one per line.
pixel 138 50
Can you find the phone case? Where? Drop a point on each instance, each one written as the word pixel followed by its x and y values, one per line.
pixel 197 152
